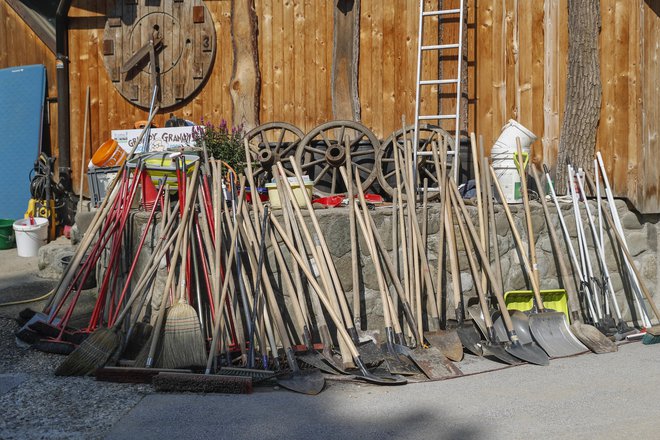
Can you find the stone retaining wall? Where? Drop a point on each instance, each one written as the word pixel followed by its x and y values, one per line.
pixel 641 234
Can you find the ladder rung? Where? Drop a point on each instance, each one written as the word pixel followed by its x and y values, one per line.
pixel 445 12
pixel 427 82
pixel 435 117
pixel 430 153
pixel 440 46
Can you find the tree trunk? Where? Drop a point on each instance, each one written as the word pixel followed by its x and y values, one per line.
pixel 245 84
pixel 583 90
pixel 345 57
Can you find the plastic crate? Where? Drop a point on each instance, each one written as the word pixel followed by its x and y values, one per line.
pixel 99 179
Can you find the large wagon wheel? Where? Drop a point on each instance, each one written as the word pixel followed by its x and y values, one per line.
pixel 428 134
pixel 270 143
pixel 322 152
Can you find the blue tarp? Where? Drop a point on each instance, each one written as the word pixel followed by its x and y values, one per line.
pixel 22 97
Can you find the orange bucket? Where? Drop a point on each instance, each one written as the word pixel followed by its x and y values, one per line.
pixel 109 154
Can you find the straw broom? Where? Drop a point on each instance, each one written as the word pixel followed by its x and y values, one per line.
pixel 183 342
pixel 182 339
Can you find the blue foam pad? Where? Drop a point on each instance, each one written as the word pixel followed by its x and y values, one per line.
pixel 22 96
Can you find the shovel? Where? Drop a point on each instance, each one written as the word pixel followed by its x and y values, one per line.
pixel 490 347
pixel 587 334
pixel 550 329
pixel 527 352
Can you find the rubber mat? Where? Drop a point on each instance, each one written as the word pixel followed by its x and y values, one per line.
pixel 22 95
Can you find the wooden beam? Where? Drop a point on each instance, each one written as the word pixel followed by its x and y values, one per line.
pixel 345 57
pixel 245 83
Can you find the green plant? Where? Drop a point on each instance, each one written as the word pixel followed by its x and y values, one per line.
pixel 223 143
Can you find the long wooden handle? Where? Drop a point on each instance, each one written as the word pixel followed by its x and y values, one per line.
pixel 528 222
pixel 516 236
pixel 499 295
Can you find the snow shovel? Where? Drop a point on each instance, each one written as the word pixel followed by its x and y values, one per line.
pixel 550 329
pixel 587 334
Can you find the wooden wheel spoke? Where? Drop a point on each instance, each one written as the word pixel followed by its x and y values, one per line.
pixel 333 186
pixel 312 163
pixel 340 139
pixel 363 168
pixel 314 150
pixel 326 140
pixel 390 174
pixel 292 146
pixel 280 139
pixel 321 174
pixel 357 140
pixel 363 153
pixel 429 174
pixel 387 159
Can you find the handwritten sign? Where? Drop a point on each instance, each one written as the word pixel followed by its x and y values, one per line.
pixel 160 139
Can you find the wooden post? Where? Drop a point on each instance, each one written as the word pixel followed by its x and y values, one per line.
pixel 583 90
pixel 551 49
pixel 345 59
pixel 245 84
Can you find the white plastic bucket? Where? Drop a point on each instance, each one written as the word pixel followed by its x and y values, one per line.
pixel 29 238
pixel 502 155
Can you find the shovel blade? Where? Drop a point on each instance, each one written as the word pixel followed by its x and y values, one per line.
pixel 303 381
pixel 551 331
pixel 371 355
pixel 470 338
pixel 531 353
pixel 315 360
pixel 478 318
pixel 448 342
pixel 520 325
pixel 435 365
pixel 593 338
pixel 398 365
pixel 499 352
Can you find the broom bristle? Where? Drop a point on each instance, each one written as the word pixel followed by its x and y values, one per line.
pixel 93 353
pixel 650 338
pixel 183 342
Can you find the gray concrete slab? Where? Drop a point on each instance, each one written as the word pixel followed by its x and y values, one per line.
pixel 10 381
pixel 588 396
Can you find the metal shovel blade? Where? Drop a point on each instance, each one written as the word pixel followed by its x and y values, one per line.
pixel 435 365
pixel 315 360
pixel 531 353
pixel 370 353
pixel 396 363
pixel 500 352
pixel 593 338
pixel 478 318
pixel 520 325
pixel 551 331
pixel 448 342
pixel 470 338
pixel 303 381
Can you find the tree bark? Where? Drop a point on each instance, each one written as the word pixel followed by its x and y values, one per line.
pixel 345 58
pixel 577 140
pixel 245 84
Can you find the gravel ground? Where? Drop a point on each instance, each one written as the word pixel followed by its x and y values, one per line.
pixel 46 406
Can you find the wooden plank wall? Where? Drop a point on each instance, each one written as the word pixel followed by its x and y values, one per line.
pixel 19 46
pixel 644 168
pixel 516 62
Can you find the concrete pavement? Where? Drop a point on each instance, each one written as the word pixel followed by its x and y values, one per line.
pixel 587 397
